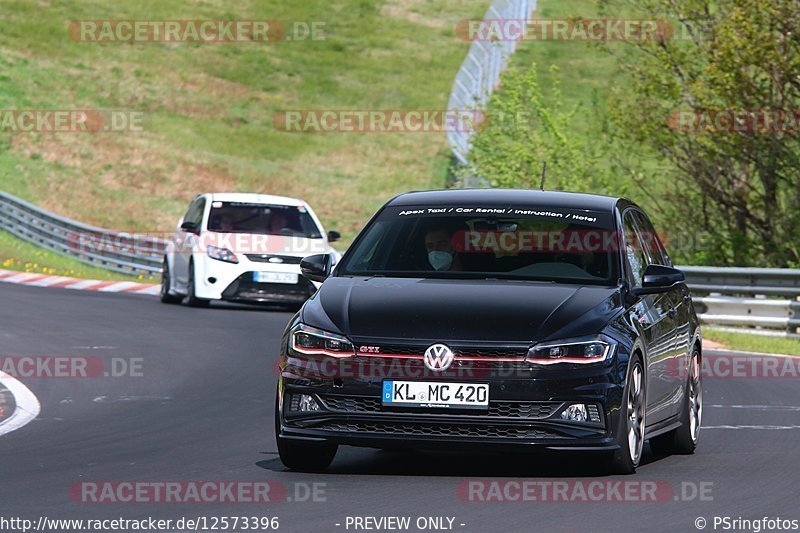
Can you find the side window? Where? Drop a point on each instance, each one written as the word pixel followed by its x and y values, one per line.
pixel 188 214
pixel 195 211
pixel 367 259
pixel 637 261
pixel 652 244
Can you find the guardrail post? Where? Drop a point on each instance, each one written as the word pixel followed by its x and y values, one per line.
pixel 793 315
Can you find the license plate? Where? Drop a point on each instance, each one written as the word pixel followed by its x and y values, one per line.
pixel 275 277
pixel 435 394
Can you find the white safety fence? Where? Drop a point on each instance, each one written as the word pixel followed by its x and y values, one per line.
pixel 480 72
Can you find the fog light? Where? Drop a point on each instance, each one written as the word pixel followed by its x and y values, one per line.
pixel 575 413
pixel 307 403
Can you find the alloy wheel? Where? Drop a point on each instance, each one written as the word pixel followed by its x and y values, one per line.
pixel 695 399
pixel 636 413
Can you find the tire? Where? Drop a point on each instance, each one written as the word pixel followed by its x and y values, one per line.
pixel 683 441
pixel 191 299
pixel 630 434
pixel 166 286
pixel 303 456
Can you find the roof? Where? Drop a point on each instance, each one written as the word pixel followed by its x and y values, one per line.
pixel 534 197
pixel 254 198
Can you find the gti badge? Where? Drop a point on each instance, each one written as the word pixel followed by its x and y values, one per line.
pixel 438 357
pixel 370 349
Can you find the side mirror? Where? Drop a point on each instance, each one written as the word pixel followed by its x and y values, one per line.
pixel 334 236
pixel 190 227
pixel 316 267
pixel 658 279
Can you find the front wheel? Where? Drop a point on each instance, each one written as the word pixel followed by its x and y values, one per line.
pixel 684 439
pixel 191 299
pixel 303 456
pixel 166 286
pixel 632 422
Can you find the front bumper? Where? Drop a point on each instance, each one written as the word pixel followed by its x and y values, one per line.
pixel 233 282
pixel 244 289
pixel 524 411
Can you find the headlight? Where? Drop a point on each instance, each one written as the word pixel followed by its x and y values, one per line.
pixel 313 341
pixel 581 351
pixel 221 254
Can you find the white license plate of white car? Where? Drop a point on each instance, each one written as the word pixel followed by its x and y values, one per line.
pixel 435 394
pixel 275 277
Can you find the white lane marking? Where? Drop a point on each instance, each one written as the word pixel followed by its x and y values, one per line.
pixel 760 407
pixel 106 399
pixel 27 404
pixel 760 428
pixel 95 347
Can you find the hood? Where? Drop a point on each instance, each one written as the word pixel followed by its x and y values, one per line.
pixel 459 310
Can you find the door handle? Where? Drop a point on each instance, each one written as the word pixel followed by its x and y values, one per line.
pixel 672 312
pixel 687 298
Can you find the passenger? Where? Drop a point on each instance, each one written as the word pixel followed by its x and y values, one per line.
pixel 442 256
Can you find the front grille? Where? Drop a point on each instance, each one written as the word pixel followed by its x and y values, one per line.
pixel 520 352
pixel 491 353
pixel 523 409
pixel 440 430
pixel 265 258
pixel 245 288
pixel 352 404
pixel 364 404
pixel 469 361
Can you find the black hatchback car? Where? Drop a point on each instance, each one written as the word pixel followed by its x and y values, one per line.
pixel 494 319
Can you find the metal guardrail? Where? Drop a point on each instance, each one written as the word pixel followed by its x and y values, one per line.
pixel 480 72
pixel 763 298
pixel 112 250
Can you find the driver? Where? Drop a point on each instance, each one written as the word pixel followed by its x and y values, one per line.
pixel 278 221
pixel 226 223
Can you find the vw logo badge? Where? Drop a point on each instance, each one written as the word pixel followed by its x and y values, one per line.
pixel 438 357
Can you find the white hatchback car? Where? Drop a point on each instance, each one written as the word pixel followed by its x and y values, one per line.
pixel 243 248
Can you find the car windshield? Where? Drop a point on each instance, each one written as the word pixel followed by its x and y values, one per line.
pixel 238 217
pixel 521 243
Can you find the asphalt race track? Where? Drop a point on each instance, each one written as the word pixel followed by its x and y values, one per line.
pixel 200 408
